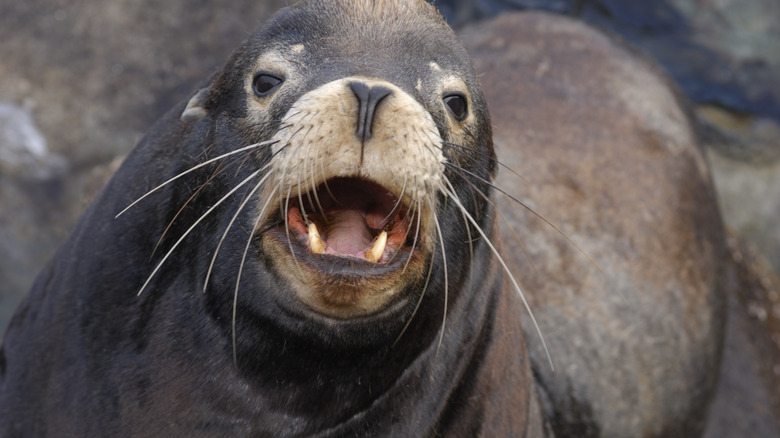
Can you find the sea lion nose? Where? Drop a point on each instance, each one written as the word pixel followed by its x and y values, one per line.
pixel 369 98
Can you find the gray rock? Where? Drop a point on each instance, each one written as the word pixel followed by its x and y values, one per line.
pixel 749 196
pixel 23 150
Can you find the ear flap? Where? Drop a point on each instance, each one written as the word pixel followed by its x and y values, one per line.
pixel 195 107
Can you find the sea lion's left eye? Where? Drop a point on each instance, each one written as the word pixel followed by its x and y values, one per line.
pixel 456 102
pixel 263 84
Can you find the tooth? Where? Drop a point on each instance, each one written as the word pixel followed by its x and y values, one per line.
pixel 378 248
pixel 316 243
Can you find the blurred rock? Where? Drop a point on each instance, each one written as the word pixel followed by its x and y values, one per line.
pixel 23 151
pixel 749 196
pixel 29 188
pixel 722 52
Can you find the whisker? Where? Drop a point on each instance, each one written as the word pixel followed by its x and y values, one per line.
pixel 173 219
pixel 332 196
pixel 397 203
pixel 446 283
pixel 310 170
pixel 541 217
pixel 241 270
pixel 327 187
pixel 314 190
pixel 503 217
pixel 192 169
pixel 303 172
pixel 416 234
pixel 204 153
pixel 452 194
pixel 181 209
pixel 400 247
pixel 419 300
pixel 298 175
pixel 233 219
pixel 300 202
pixel 390 215
pixel 241 164
pixel 464 150
pixel 287 228
pixel 192 227
pixel 468 235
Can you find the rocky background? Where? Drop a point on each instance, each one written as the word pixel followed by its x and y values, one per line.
pixel 81 81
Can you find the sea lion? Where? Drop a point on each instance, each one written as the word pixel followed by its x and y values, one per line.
pixel 611 157
pixel 309 246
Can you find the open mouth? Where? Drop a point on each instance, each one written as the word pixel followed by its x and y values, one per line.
pixel 350 218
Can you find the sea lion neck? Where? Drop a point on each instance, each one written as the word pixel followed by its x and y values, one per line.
pixel 346 391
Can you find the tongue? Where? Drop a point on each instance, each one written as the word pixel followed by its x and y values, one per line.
pixel 347 232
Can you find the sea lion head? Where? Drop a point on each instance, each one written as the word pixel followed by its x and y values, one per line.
pixel 364 167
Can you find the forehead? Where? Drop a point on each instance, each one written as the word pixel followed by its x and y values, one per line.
pixel 404 35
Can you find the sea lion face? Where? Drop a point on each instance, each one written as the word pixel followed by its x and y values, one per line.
pixel 373 154
pixel 359 161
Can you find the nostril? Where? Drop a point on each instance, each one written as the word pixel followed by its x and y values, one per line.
pixel 368 100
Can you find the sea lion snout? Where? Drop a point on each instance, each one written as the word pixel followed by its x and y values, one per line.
pixel 357 167
pixel 369 98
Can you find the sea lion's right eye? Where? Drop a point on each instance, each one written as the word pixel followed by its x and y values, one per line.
pixel 263 84
pixel 457 105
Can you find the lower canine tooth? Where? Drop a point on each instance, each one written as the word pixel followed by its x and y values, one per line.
pixel 316 244
pixel 378 248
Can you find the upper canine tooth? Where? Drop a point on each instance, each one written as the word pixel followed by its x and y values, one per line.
pixel 378 248
pixel 316 244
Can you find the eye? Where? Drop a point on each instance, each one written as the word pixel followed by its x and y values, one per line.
pixel 263 84
pixel 456 102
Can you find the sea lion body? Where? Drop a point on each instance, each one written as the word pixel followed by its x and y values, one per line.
pixel 309 246
pixel 611 157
